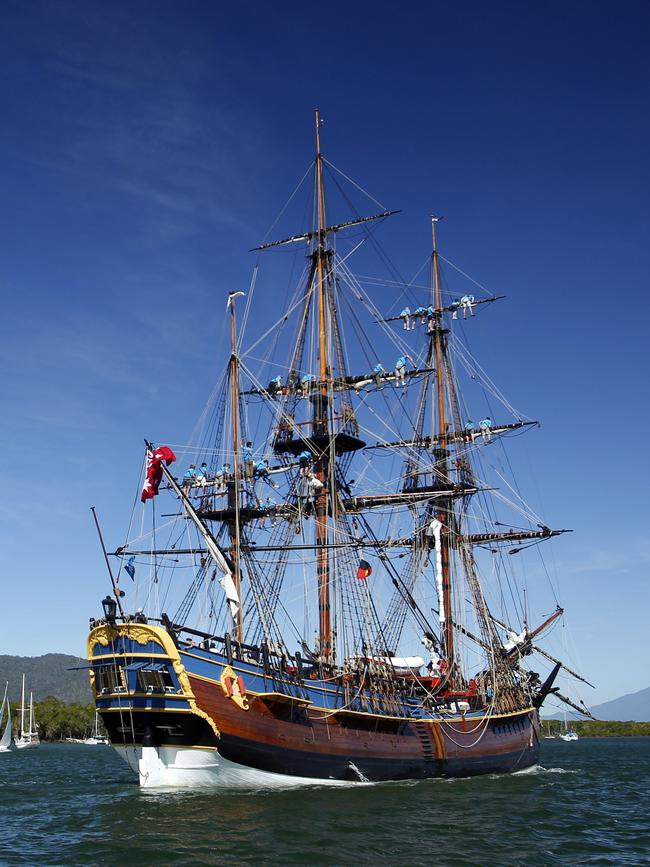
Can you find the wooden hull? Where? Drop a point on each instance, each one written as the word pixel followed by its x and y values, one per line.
pixel 227 718
pixel 307 743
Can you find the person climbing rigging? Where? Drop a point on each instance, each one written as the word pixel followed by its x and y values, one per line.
pixel 270 507
pixel 275 386
pixel 249 462
pixel 189 478
pixel 486 429
pixel 304 459
pixel 308 489
pixel 405 316
pixel 377 372
pixel 467 303
pixel 202 482
pixel 222 478
pixel 421 314
pixel 261 473
pixel 293 383
pixel 400 369
pixel 202 475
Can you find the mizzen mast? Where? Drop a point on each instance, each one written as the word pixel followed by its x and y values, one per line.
pixel 445 506
pixel 233 488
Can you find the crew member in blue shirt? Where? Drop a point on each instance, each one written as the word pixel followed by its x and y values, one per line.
pixel 467 303
pixel 270 509
pixel 262 472
pixel 486 429
pixel 221 478
pixel 189 478
pixel 405 315
pixel 275 386
pixel 422 313
pixel 304 459
pixel 400 369
pixel 249 463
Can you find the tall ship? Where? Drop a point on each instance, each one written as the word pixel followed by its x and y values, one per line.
pixel 321 586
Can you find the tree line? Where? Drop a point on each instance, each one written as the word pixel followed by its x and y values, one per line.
pixel 57 720
pixel 600 728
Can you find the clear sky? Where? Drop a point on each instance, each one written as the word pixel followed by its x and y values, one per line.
pixel 147 146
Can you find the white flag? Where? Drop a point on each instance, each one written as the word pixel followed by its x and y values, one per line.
pixel 231 594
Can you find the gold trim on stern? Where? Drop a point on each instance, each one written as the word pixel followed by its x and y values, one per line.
pixel 142 633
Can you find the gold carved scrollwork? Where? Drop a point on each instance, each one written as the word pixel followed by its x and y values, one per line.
pixel 234 688
pixel 143 634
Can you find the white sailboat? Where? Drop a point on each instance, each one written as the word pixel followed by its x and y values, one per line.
pixel 568 734
pixel 96 738
pixel 5 739
pixel 30 737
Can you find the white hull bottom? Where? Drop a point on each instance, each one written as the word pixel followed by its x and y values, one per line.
pixel 23 745
pixel 178 767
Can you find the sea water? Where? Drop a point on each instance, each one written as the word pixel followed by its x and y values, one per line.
pixel 588 803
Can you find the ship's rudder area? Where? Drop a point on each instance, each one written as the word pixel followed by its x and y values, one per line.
pixel 143 694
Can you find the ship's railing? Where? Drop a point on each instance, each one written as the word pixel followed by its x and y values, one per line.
pixel 293 673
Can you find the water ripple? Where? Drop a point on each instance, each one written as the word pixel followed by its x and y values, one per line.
pixel 585 805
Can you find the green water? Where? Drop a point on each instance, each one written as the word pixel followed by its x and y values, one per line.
pixel 78 805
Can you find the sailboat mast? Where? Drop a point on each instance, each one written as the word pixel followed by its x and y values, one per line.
pixel 441 453
pixel 22 710
pixel 320 421
pixel 234 528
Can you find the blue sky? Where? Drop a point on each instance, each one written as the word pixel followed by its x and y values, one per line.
pixel 146 147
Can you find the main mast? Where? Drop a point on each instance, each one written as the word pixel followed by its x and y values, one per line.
pixel 233 488
pixel 441 456
pixel 320 421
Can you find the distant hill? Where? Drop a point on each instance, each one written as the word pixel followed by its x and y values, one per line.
pixel 633 706
pixel 44 676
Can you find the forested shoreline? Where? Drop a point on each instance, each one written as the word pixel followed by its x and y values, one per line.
pixel 58 720
pixel 599 728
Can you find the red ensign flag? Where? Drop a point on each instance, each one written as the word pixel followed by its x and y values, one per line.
pixel 155 460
